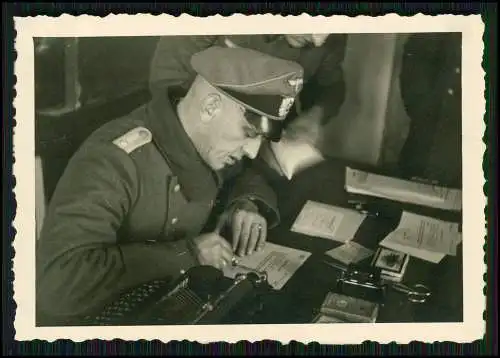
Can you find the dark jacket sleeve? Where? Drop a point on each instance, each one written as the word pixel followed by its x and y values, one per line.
pixel 326 88
pixel 171 64
pixel 80 261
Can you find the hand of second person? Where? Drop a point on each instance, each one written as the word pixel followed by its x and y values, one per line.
pixel 307 127
pixel 249 228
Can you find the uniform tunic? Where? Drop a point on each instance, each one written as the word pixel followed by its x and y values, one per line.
pixel 323 76
pixel 125 210
pixel 431 89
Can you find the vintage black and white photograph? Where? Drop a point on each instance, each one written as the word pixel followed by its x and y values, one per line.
pixel 166 171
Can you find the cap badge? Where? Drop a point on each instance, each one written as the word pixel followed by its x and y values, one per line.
pixel 285 106
pixel 296 84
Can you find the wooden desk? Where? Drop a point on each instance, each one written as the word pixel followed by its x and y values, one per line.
pixel 305 291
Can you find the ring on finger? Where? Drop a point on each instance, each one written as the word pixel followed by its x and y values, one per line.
pixel 258 226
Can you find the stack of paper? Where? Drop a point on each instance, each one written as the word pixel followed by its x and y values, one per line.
pixel 349 309
pixel 328 222
pixel 424 237
pixel 279 262
pixel 363 183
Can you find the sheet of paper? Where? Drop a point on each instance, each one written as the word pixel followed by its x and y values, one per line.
pixel 350 253
pixel 360 182
pixel 327 221
pixel 279 262
pixel 421 236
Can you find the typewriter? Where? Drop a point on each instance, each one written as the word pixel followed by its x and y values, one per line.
pixel 202 295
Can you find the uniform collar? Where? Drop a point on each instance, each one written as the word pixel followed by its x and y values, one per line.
pixel 199 181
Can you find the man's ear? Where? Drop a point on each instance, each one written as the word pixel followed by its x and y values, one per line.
pixel 210 107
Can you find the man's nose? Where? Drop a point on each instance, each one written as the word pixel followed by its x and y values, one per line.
pixel 251 148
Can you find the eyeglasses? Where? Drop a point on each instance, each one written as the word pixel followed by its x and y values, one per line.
pixel 263 126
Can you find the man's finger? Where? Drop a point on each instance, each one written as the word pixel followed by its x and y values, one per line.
pixel 254 237
pixel 221 264
pixel 227 256
pixel 224 244
pixel 236 229
pixel 262 235
pixel 244 236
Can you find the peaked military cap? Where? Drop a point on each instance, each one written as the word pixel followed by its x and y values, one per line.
pixel 265 85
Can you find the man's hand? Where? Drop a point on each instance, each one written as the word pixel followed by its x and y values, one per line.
pixel 307 127
pixel 249 228
pixel 212 249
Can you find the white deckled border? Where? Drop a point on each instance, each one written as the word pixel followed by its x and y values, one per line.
pixel 474 200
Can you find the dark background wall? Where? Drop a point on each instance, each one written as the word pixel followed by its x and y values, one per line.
pixel 106 68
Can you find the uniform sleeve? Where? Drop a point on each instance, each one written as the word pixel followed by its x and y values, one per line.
pixel 252 185
pixel 326 88
pixel 171 61
pixel 80 262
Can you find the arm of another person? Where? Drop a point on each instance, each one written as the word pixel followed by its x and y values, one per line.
pixel 325 91
pixel 171 63
pixel 81 264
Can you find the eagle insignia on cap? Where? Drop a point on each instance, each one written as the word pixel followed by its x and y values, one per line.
pixel 285 106
pixel 297 84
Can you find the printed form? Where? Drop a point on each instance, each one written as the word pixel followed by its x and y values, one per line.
pixel 360 182
pixel 328 222
pixel 279 262
pixel 424 237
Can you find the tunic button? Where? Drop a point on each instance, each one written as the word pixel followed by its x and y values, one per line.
pixel 457 70
pixel 177 187
pixel 450 91
pixel 174 221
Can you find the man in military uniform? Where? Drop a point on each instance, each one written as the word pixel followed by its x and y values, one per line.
pixel 133 202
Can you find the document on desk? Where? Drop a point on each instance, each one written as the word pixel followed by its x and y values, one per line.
pixel 350 253
pixel 328 221
pixel 279 262
pixel 364 183
pixel 424 237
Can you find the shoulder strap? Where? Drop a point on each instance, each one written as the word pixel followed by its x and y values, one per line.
pixel 133 139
